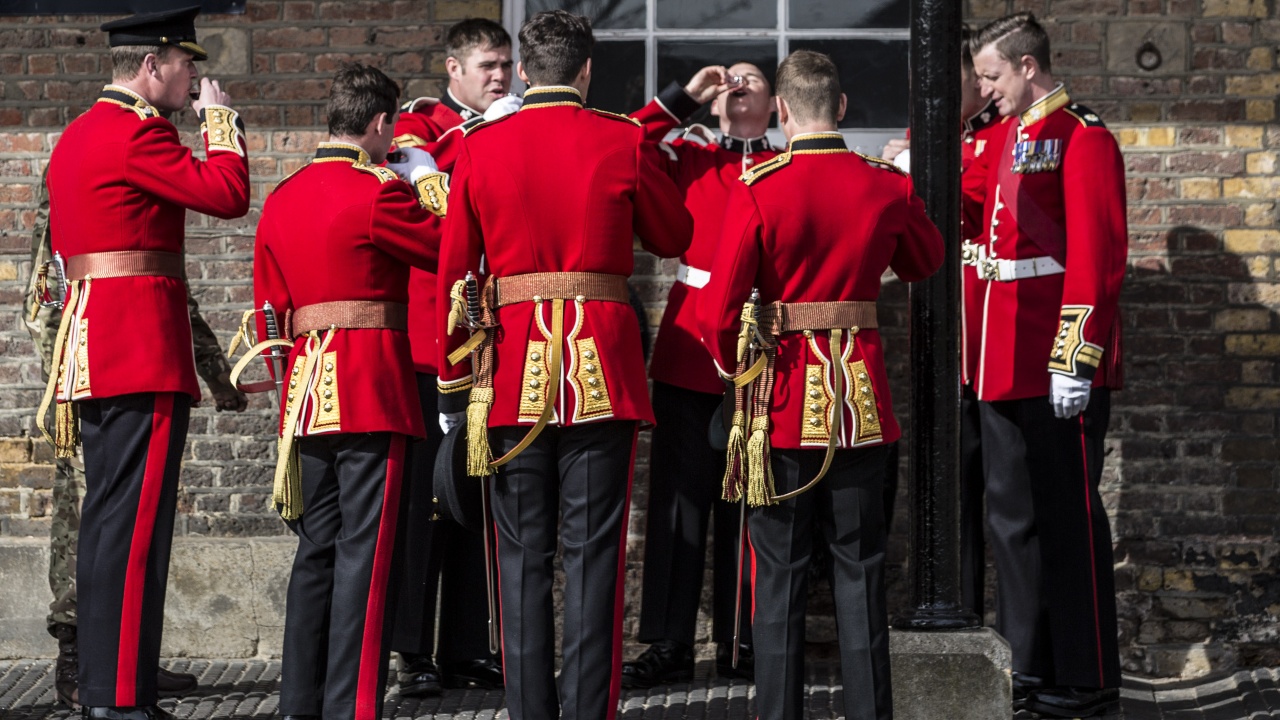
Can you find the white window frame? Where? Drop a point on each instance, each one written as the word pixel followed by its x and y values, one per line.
pixel 865 140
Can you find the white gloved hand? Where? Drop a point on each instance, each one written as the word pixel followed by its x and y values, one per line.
pixel 449 421
pixel 903 160
pixel 415 163
pixel 503 107
pixel 1068 394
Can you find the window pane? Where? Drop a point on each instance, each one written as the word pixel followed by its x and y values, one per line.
pixel 849 14
pixel 701 14
pixel 678 61
pixel 604 14
pixel 617 76
pixel 873 74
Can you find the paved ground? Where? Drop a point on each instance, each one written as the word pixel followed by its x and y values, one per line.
pixel 248 689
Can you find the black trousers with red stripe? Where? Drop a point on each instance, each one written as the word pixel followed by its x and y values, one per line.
pixel 847 509
pixel 1055 600
pixel 685 475
pixel 132 456
pixel 335 632
pixel 439 555
pixel 581 474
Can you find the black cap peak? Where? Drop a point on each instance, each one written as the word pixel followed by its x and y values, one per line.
pixel 166 27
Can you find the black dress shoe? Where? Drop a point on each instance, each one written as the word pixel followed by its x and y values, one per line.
pixel 663 662
pixel 418 676
pixel 170 683
pixel 143 712
pixel 1072 702
pixel 746 669
pixel 1023 686
pixel 299 717
pixel 480 673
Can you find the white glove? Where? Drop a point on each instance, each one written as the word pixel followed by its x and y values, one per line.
pixel 503 107
pixel 903 160
pixel 1068 394
pixel 449 421
pixel 415 163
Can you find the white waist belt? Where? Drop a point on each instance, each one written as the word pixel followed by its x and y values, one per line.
pixel 1003 270
pixel 692 276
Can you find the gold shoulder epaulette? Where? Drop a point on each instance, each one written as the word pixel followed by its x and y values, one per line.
pixel 381 173
pixel 468 127
pixel 881 163
pixel 615 116
pixel 766 168
pixel 1084 115
pixel 289 177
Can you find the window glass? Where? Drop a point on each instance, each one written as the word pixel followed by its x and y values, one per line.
pixel 617 76
pixel 604 14
pixel 873 75
pixel 810 14
pixel 706 14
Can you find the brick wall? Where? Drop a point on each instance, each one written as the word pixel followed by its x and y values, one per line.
pixel 1191 478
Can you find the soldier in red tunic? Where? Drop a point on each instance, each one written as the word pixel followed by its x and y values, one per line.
pixel 441 554
pixel 551 197
pixel 684 470
pixel 818 409
pixel 1049 194
pixel 332 257
pixel 120 183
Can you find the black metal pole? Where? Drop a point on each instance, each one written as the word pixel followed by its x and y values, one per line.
pixel 935 322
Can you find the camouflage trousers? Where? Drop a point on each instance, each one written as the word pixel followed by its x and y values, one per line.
pixel 64 534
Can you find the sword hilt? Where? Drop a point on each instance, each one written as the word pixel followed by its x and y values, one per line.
pixel 472 291
pixel 277 355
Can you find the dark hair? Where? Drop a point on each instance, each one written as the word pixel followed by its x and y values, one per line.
pixel 810 84
pixel 1015 36
pixel 126 60
pixel 472 33
pixel 554 46
pixel 358 94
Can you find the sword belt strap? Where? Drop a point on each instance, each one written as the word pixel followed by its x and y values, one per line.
pixel 124 263
pixel 777 318
pixel 349 315
pixel 580 286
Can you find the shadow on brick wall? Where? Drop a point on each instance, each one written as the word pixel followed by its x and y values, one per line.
pixel 1191 477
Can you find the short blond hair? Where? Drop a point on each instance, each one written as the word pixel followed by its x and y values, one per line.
pixel 126 60
pixel 810 84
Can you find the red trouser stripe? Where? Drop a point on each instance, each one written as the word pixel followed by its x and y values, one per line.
pixel 1093 557
pixel 135 577
pixel 615 681
pixel 368 689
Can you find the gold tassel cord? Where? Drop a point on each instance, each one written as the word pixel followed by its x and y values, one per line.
pixel 479 455
pixel 457 306
pixel 66 430
pixel 245 334
pixel 760 486
pixel 735 456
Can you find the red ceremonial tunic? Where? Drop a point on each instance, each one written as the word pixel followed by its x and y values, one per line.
pixel 705 175
pixel 120 179
pixel 798 246
pixel 558 188
pixel 423 123
pixel 977 139
pixel 342 229
pixel 1050 188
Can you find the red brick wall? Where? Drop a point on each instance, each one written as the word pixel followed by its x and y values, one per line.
pixel 1191 478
